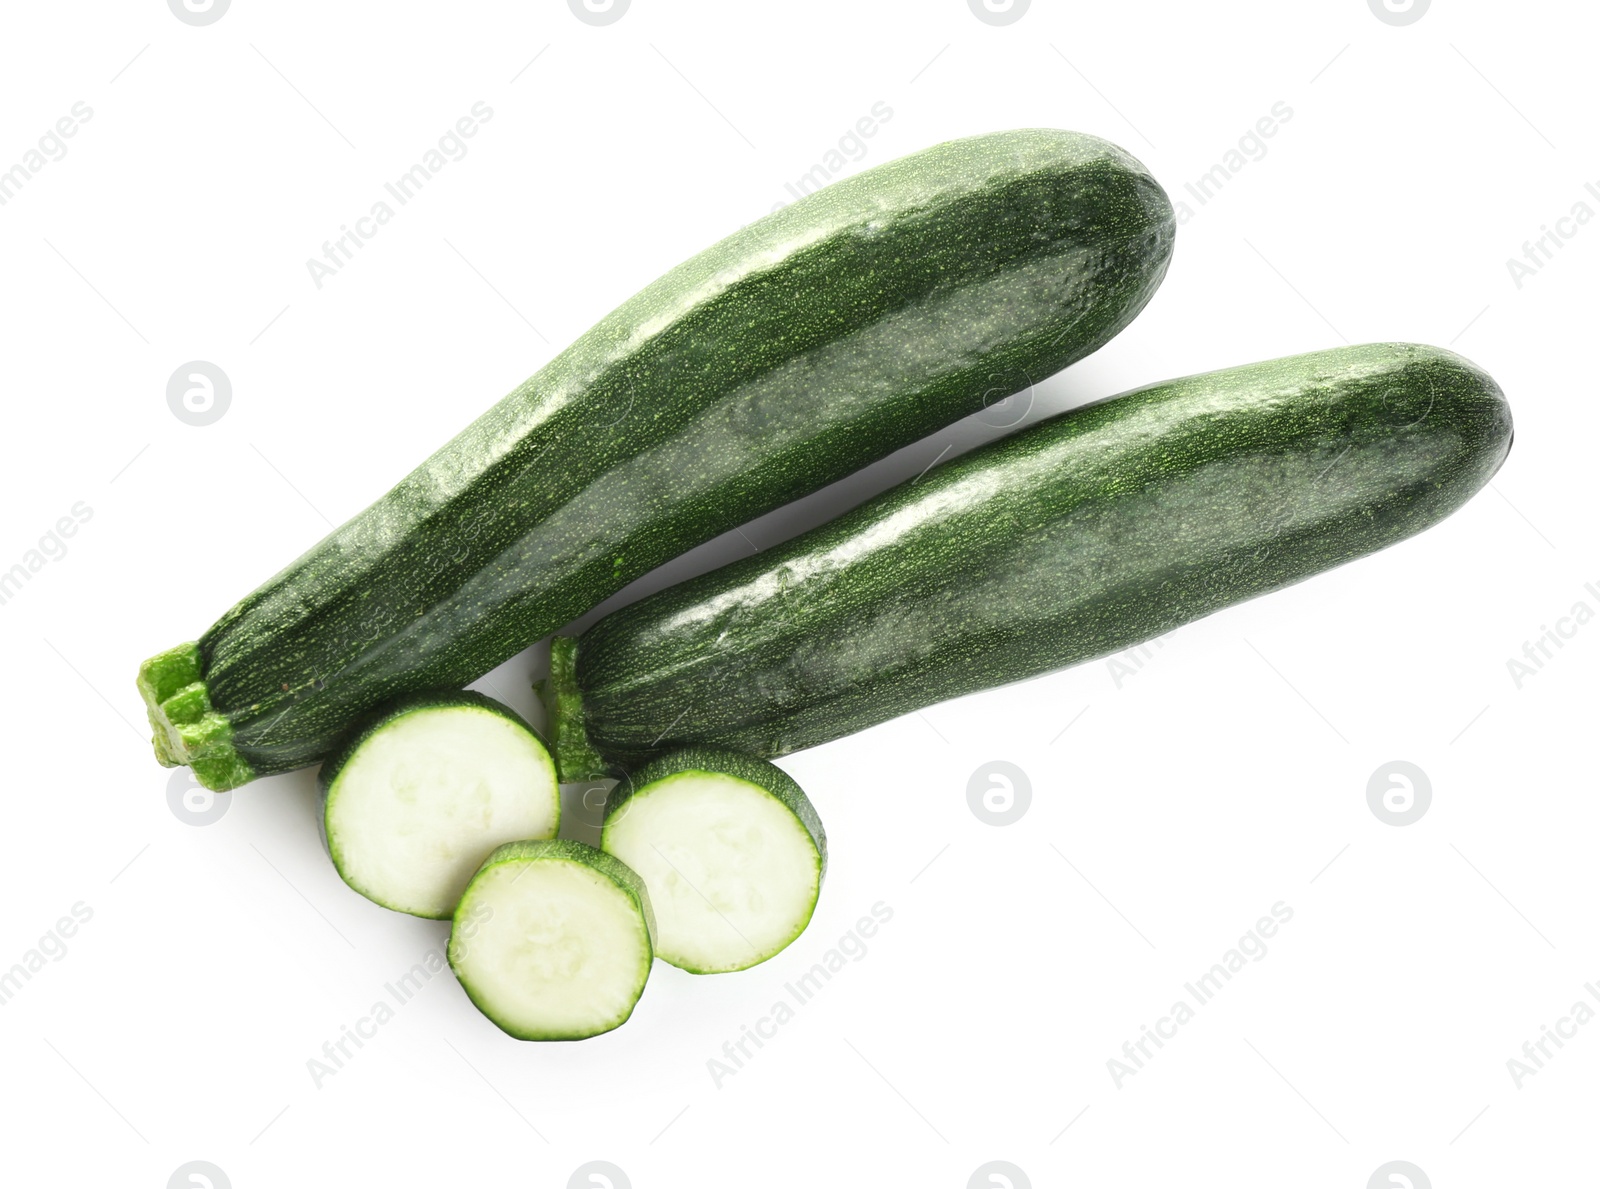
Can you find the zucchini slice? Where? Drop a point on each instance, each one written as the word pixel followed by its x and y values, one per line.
pixel 417 799
pixel 803 347
pixel 731 849
pixel 552 940
pixel 1072 539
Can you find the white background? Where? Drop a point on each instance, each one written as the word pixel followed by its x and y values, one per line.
pixel 1228 773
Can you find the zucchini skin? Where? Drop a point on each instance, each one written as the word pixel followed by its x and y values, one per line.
pixel 1073 539
pixel 814 341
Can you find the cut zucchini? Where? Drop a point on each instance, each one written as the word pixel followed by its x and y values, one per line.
pixel 731 849
pixel 414 802
pixel 552 940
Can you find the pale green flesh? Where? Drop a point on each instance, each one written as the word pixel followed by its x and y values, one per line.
pixel 423 801
pixel 733 875
pixel 557 950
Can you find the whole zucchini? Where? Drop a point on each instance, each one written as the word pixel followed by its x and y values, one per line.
pixel 810 343
pixel 1072 539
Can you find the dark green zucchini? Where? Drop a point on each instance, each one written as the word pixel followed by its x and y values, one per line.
pixel 1072 539
pixel 809 344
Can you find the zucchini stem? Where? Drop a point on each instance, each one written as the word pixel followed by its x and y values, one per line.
pixel 575 757
pixel 185 728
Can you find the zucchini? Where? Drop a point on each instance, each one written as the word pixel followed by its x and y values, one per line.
pixel 1073 539
pixel 552 940
pixel 810 343
pixel 415 801
pixel 731 849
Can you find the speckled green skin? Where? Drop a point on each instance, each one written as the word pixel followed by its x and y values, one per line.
pixel 722 762
pixel 1073 539
pixel 797 350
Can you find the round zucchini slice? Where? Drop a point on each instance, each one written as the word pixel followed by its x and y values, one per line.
pixel 552 940
pixel 731 849
pixel 417 799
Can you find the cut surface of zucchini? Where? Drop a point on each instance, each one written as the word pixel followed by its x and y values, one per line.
pixel 731 849
pixel 414 803
pixel 552 940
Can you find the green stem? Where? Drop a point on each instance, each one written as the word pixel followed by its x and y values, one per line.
pixel 576 758
pixel 187 730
